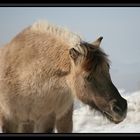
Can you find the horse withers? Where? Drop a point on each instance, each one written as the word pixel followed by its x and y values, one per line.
pixel 42 70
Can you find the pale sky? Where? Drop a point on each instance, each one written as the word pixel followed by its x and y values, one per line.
pixel 120 27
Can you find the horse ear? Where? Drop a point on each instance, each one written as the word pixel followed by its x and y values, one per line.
pixel 97 42
pixel 74 54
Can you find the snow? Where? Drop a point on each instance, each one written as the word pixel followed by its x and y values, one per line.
pixel 86 120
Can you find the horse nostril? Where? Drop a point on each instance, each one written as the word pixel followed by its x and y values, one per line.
pixel 116 109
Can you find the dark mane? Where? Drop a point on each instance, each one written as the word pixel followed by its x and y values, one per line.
pixel 95 58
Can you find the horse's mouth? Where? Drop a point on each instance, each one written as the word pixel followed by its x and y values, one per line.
pixel 110 117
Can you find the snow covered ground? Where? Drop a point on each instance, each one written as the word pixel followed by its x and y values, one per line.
pixel 91 121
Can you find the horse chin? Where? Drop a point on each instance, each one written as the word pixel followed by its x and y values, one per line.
pixel 105 114
pixel 110 117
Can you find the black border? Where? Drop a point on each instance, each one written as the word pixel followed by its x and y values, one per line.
pixel 70 134
pixel 69 5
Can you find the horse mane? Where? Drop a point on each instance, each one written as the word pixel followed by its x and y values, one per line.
pixel 59 32
pixel 95 57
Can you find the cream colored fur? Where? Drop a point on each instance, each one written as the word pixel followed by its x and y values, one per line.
pixel 35 74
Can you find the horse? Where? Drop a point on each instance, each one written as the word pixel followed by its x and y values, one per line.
pixel 43 69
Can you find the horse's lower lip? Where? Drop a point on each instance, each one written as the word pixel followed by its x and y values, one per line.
pixel 109 116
